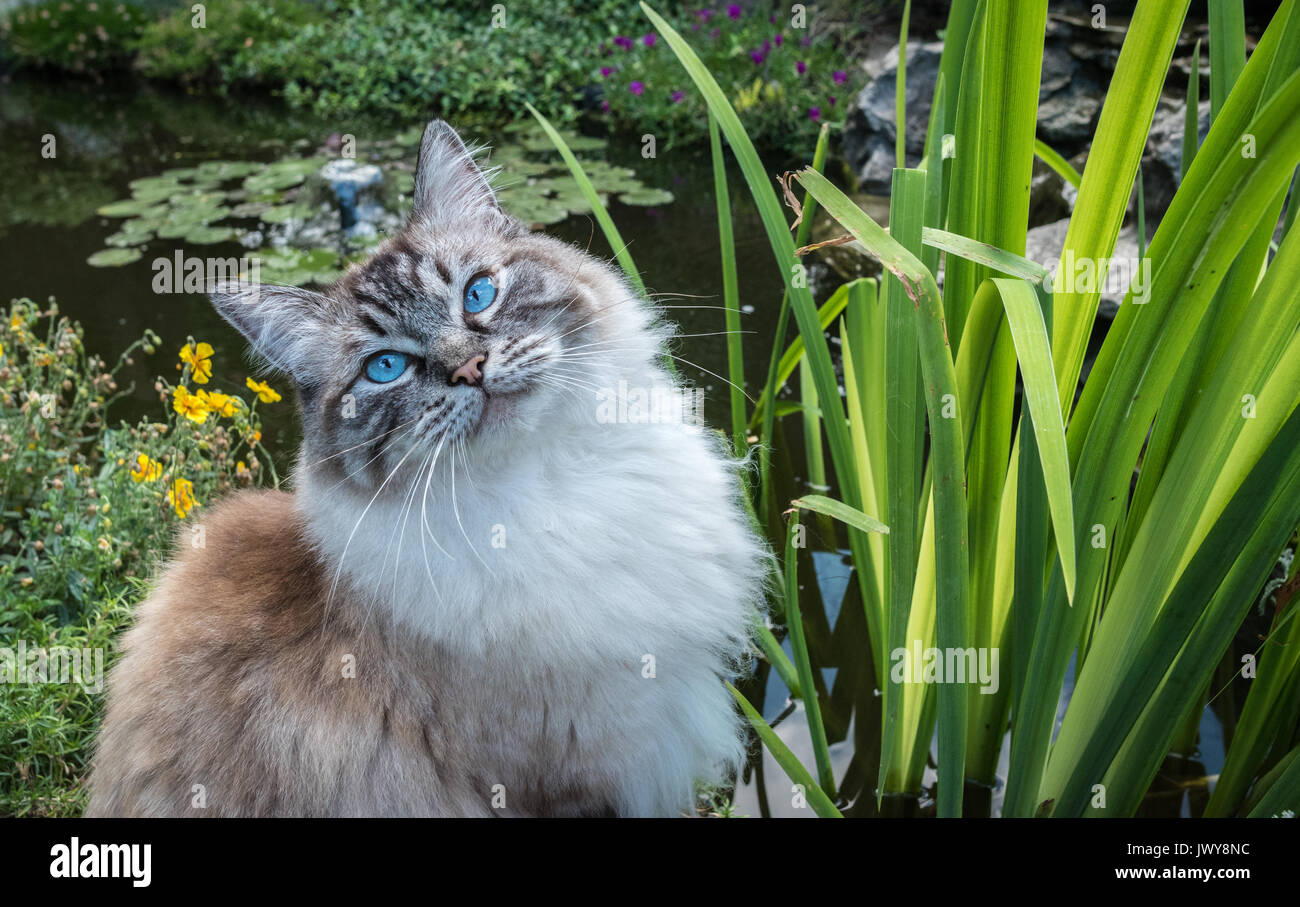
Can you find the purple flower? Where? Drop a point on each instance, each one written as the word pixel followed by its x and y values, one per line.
pixel 604 106
pixel 636 88
pixel 648 40
pixel 625 43
pixel 715 33
pixel 677 97
pixel 705 14
pixel 801 67
pixel 767 45
pixel 839 77
pixel 832 99
pixel 733 11
pixel 779 39
pixel 805 41
pixel 756 56
pixel 814 113
pixel 607 71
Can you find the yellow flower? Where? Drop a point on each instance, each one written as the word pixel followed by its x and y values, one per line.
pixel 146 469
pixel 254 437
pixel 181 497
pixel 263 390
pixel 199 359
pixel 16 324
pixel 222 404
pixel 191 406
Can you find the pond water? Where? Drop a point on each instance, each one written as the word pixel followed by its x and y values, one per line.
pixel 109 135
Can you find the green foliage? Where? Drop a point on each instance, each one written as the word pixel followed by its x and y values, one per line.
pixel 782 81
pixel 398 57
pixel 86 512
pixel 408 59
pixel 234 34
pixel 1029 541
pixel 75 36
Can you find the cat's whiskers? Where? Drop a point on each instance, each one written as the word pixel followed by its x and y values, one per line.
pixel 593 343
pixel 338 572
pixel 590 321
pixel 572 379
pixel 565 357
pixel 556 384
pixel 397 559
pixel 717 308
pixel 387 447
pixel 424 517
pixel 463 442
pixel 340 453
pixel 456 511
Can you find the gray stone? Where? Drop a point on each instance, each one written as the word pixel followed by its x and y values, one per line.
pixel 1069 116
pixel 870 127
pixel 1048 200
pixel 1044 244
pixel 1162 160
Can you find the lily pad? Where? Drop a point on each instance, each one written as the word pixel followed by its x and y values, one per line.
pixel 576 143
pixel 154 189
pixel 646 196
pixel 282 213
pixel 130 207
pixel 282 174
pixel 205 235
pixel 226 170
pixel 533 210
pixel 126 237
pixel 113 258
pixel 250 209
pixel 299 267
pixel 181 221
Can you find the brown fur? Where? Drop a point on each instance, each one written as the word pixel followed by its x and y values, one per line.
pixel 233 679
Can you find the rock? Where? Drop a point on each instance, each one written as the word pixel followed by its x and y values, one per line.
pixel 1162 160
pixel 876 171
pixel 1067 118
pixel 870 127
pixel 1043 245
pixel 1069 103
pixel 1048 197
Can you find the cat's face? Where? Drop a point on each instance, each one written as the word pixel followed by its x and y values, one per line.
pixel 465 333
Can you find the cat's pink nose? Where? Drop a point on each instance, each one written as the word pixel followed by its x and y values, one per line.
pixel 471 372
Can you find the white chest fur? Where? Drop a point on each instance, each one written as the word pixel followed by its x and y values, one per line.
pixel 610 567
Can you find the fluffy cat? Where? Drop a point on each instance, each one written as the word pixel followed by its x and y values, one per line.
pixel 483 597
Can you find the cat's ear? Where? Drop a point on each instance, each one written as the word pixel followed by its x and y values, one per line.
pixel 449 186
pixel 283 324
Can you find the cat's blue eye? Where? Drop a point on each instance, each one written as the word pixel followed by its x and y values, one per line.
pixel 386 366
pixel 479 294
